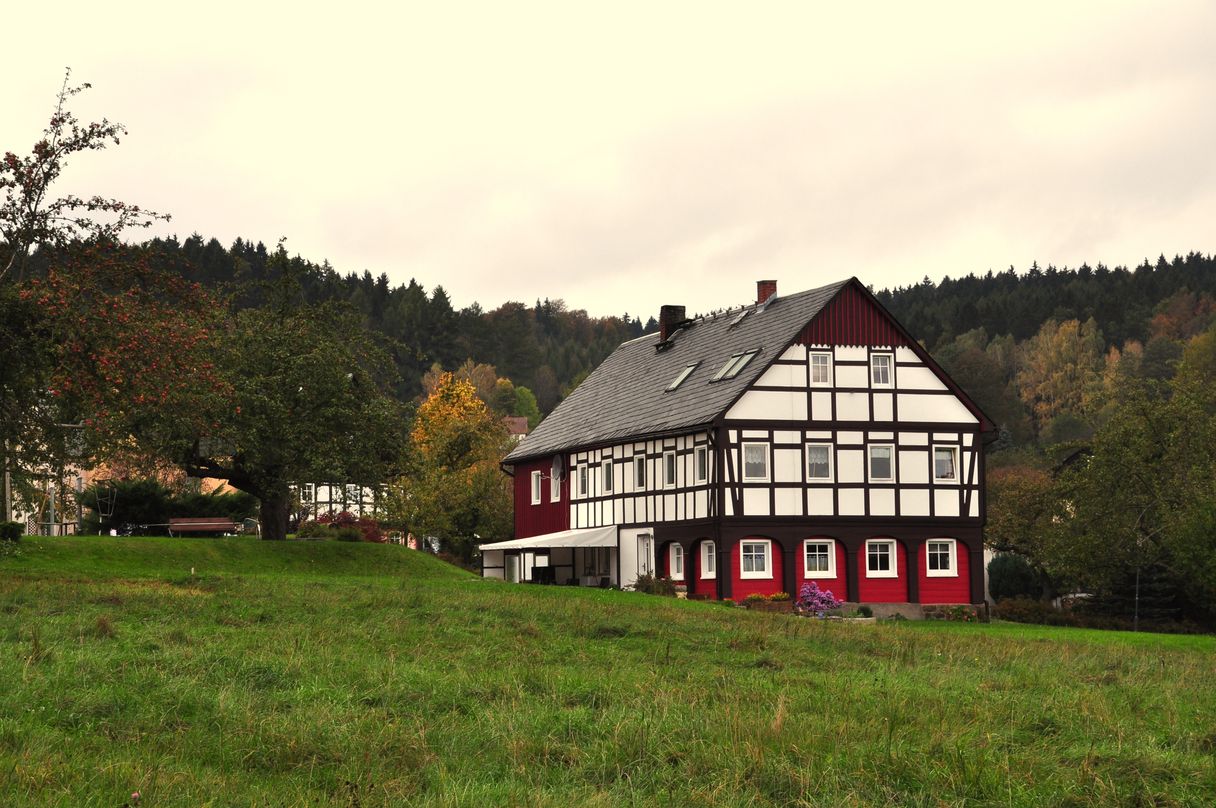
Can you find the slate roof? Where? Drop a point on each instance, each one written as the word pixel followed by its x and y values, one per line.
pixel 626 397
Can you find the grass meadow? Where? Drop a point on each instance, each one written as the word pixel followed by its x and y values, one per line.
pixel 329 674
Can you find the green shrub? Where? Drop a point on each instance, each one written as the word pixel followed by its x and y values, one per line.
pixel 314 530
pixel 755 597
pixel 348 534
pixel 1011 576
pixel 652 585
pixel 777 597
pixel 10 531
pixel 865 611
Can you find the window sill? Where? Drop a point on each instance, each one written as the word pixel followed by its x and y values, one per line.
pixel 882 574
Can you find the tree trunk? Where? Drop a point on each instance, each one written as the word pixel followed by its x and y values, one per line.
pixel 275 510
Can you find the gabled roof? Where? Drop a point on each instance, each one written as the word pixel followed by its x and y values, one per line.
pixel 626 396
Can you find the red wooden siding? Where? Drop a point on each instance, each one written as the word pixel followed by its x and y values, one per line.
pixel 742 587
pixel 946 590
pixel 838 586
pixel 884 590
pixel 548 516
pixel 851 319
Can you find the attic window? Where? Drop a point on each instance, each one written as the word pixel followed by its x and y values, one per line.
pixel 735 364
pixel 684 374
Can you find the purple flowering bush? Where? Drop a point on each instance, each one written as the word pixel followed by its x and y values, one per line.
pixel 815 600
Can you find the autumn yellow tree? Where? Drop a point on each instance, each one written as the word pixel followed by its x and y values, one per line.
pixel 1059 369
pixel 453 489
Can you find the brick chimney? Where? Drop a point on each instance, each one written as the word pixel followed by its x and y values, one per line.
pixel 669 316
pixel 765 290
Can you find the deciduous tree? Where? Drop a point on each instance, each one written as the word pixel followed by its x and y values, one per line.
pixel 454 489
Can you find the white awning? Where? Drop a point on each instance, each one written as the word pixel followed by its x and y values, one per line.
pixel 584 537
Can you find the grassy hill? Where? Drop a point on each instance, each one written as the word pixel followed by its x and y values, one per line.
pixel 351 674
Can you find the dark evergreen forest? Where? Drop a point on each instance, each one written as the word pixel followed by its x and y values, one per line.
pixel 998 333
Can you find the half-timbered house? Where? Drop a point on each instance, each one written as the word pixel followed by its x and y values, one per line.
pixel 802 438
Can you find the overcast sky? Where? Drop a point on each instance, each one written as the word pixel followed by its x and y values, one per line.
pixel 622 156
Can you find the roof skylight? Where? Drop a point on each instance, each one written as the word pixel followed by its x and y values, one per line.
pixel 735 364
pixel 684 374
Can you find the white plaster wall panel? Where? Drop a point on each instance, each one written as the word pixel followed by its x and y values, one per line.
pixel 788 501
pixel 734 435
pixel 846 438
pixel 770 404
pixel 755 433
pixel 787 465
pixel 669 507
pixel 630 510
pixel 787 436
pixel 795 353
pixel 783 376
pixel 812 434
pixel 903 354
pixel 702 504
pixel 729 506
pixel 913 466
pixel 944 437
pixel 914 438
pixel 850 353
pixel 975 506
pixel 853 407
pixel 882 436
pixel 852 376
pixel 850 466
pixel 945 502
pixel 882 502
pixel 755 502
pixel 913 503
pixel 915 407
pixel 821 406
pixel 852 502
pixel 919 378
pixel 884 407
pixel 819 502
pixel 968 439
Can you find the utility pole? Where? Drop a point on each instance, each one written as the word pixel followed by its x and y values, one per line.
pixel 8 488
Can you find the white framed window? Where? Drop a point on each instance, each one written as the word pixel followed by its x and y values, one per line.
pixel 639 473
pixel 709 560
pixel 881 559
pixel 945 464
pixel 306 493
pixel 555 480
pixel 669 469
pixel 819 462
pixel 580 474
pixel 702 463
pixel 881 462
pixel 755 462
pixel 819 558
pixel 882 370
pixel 756 558
pixel 536 488
pixel 940 557
pixel 675 562
pixel 606 480
pixel 821 370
